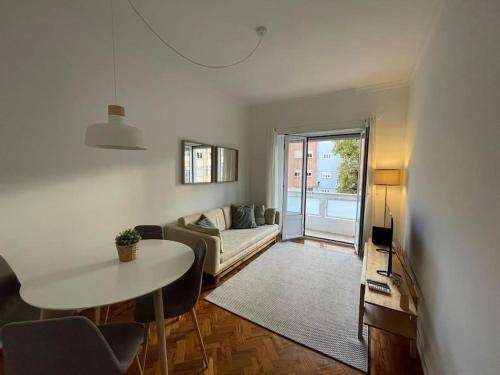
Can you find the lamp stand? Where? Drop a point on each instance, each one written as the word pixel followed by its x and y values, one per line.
pixel 385 204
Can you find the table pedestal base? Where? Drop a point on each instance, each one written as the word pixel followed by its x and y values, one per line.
pixel 160 331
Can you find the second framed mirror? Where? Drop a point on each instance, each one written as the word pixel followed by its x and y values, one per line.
pixel 226 164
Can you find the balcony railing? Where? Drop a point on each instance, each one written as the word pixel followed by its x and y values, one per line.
pixel 328 215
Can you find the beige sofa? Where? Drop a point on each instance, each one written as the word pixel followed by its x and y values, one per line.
pixel 231 247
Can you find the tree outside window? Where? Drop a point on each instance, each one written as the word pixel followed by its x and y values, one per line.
pixel 348 151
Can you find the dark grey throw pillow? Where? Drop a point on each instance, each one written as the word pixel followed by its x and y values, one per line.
pixel 259 211
pixel 205 222
pixel 243 217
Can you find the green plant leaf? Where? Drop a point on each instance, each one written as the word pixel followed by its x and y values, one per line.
pixel 127 237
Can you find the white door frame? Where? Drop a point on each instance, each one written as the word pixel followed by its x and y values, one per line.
pixel 293 223
pixel 362 182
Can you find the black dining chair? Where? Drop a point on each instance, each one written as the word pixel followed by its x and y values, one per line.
pixel 12 307
pixel 72 345
pixel 150 232
pixel 179 297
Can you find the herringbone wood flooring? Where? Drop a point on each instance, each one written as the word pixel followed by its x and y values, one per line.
pixel 236 346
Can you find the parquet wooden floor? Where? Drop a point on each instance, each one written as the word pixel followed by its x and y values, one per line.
pixel 238 347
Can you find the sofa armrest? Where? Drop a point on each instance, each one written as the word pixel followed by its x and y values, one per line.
pixel 190 238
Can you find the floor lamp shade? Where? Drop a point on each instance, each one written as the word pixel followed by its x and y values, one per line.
pixel 387 177
pixel 115 133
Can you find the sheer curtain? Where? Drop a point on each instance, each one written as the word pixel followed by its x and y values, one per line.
pixel 274 175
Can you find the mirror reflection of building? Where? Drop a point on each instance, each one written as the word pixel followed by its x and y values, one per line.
pixel 197 163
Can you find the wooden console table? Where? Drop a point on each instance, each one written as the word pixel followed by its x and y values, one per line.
pixel 395 313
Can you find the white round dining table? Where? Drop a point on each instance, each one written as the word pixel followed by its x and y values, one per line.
pixel 101 279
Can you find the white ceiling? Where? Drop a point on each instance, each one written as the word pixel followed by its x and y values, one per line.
pixel 312 46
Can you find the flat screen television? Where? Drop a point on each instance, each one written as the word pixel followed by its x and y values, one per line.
pixel 382 236
pixel 389 233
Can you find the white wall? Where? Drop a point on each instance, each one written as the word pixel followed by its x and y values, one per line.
pixel 56 78
pixel 332 111
pixel 453 226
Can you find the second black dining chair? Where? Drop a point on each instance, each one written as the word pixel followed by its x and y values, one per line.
pixel 150 232
pixel 179 297
pixel 71 345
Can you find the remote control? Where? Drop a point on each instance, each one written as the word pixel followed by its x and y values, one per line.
pixel 379 286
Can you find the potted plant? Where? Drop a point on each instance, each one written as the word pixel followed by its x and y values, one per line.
pixel 126 244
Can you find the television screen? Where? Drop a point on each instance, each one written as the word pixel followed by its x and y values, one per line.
pixel 383 235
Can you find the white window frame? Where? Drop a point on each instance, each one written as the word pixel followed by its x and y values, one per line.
pixel 326 175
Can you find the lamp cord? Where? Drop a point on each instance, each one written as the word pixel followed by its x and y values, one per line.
pixel 114 49
pixel 148 25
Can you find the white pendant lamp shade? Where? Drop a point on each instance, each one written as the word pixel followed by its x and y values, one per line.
pixel 116 133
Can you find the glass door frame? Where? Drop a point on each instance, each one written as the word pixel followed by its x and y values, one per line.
pixel 288 230
pixel 348 135
pixel 363 165
pixel 363 179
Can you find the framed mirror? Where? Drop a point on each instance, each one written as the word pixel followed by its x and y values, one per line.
pixel 196 163
pixel 226 161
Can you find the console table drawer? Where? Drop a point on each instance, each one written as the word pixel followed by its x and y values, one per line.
pixel 390 320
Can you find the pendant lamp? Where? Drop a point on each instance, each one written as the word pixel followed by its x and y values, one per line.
pixel 116 133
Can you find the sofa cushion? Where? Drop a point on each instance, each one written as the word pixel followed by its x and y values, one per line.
pixel 243 216
pixel 235 241
pixel 208 230
pixel 226 210
pixel 270 215
pixel 215 216
pixel 205 222
pixel 259 214
pixel 188 219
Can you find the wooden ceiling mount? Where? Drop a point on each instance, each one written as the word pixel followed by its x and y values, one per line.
pixel 117 110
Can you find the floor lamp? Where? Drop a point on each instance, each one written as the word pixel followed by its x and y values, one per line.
pixel 387 177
